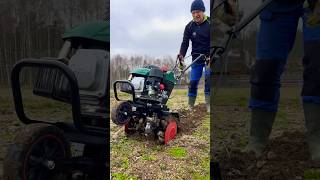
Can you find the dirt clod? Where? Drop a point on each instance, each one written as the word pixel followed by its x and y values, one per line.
pixel 191 119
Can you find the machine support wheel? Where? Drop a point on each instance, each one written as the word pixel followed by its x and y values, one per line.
pixel 99 154
pixel 121 114
pixel 33 153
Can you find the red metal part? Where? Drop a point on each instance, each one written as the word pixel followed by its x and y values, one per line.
pixel 171 131
pixel 164 68
pixel 161 86
pixel 127 129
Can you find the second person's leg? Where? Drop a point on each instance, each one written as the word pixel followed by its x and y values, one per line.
pixel 275 40
pixel 311 85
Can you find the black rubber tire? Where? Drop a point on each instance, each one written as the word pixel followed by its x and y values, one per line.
pixel 116 113
pixel 30 141
pixel 101 156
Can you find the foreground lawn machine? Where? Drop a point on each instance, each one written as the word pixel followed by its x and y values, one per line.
pixel 78 77
pixel 147 112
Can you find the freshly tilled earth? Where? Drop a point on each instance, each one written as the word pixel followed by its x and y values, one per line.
pixel 286 156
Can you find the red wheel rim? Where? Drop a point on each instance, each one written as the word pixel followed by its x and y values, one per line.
pixel 126 128
pixel 171 131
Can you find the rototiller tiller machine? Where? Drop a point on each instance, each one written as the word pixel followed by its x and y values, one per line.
pixel 147 112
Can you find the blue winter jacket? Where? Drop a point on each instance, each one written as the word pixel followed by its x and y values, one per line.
pixel 199 34
pixel 290 5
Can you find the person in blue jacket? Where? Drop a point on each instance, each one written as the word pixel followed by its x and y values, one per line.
pixel 198 32
pixel 275 40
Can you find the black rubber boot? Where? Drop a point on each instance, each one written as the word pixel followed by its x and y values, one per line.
pixel 207 99
pixel 261 126
pixel 312 121
pixel 191 102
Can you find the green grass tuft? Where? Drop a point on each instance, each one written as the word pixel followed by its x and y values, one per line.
pixel 312 174
pixel 122 176
pixel 178 152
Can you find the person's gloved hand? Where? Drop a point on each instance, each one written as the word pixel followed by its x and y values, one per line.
pixel 313 17
pixel 229 13
pixel 181 61
pixel 207 60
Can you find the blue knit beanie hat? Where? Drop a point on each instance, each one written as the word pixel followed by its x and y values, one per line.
pixel 197 5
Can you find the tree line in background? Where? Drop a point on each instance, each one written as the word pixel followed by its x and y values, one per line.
pixel 33 28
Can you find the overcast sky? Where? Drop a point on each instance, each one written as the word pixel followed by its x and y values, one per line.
pixel 153 27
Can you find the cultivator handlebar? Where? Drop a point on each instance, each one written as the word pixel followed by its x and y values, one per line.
pixel 123 82
pixel 217 52
pixel 178 73
pixel 74 93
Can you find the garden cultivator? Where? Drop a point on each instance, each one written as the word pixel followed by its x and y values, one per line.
pixel 147 112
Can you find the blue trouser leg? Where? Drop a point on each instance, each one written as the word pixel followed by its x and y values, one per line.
pixel 275 41
pixel 195 76
pixel 311 63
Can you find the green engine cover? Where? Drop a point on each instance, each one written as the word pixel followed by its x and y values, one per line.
pixel 96 30
pixel 169 76
pixel 141 71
